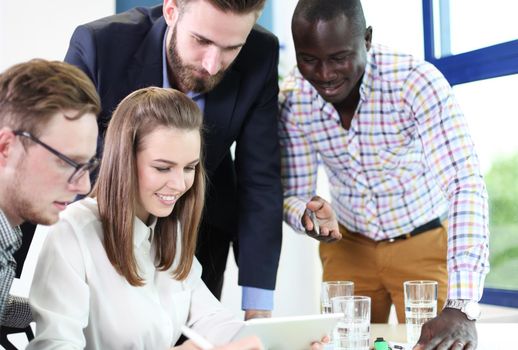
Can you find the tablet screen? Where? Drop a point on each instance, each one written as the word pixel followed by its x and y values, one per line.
pixel 290 333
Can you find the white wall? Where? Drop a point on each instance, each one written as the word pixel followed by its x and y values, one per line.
pixel 37 28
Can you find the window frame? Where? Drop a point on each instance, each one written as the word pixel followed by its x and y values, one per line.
pixel 484 63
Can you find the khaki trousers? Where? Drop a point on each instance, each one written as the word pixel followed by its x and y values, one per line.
pixel 378 270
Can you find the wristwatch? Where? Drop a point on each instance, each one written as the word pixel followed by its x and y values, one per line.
pixel 470 308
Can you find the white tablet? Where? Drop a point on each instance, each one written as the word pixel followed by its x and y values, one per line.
pixel 290 333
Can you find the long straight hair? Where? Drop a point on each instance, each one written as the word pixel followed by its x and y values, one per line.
pixel 116 190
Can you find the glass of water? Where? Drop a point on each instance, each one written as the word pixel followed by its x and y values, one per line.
pixel 420 306
pixel 331 289
pixel 353 330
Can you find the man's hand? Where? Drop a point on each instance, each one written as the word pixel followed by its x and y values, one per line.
pixel 328 230
pixel 249 314
pixel 451 330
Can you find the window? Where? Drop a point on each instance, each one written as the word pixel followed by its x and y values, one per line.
pixel 475 24
pixel 469 42
pixel 491 108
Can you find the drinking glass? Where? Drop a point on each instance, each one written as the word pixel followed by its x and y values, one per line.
pixel 331 289
pixel 353 330
pixel 420 306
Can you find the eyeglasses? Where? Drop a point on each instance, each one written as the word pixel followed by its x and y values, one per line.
pixel 80 169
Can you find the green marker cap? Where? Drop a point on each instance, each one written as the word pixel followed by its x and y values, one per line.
pixel 381 344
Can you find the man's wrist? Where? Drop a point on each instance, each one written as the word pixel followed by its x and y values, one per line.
pixel 470 308
pixel 250 314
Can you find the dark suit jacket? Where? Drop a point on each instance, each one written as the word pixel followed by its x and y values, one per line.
pixel 123 53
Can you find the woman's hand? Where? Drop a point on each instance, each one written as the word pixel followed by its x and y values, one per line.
pixel 249 343
pixel 320 345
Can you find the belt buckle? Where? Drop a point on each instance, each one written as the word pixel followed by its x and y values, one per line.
pixel 404 237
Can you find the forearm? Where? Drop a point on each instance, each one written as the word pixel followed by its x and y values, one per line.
pixel 17 312
pixel 468 252
pixel 452 161
pixel 208 317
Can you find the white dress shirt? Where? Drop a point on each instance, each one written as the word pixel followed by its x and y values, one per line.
pixel 79 301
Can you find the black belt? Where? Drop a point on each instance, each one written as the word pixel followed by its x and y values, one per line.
pixel 435 223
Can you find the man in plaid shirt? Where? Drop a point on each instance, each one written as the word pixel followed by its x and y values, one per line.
pixel 48 136
pixel 398 154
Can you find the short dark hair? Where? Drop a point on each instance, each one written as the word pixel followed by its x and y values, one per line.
pixel 32 92
pixel 234 6
pixel 314 10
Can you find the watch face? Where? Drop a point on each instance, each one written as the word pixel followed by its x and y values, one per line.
pixel 472 310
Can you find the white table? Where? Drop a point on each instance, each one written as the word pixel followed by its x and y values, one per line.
pixel 491 336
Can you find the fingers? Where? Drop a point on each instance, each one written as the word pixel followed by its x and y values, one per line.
pixel 320 345
pixel 317 346
pixel 316 203
pixel 449 344
pixel 470 346
pixel 325 339
pixel 326 235
pixel 306 221
pixel 320 222
pixel 321 207
pixel 451 330
pixel 446 343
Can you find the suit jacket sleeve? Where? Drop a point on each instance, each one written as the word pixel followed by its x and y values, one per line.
pixel 259 189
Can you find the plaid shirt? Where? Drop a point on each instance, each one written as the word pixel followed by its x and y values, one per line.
pixel 14 311
pixel 406 159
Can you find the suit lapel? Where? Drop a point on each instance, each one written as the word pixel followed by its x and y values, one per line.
pixel 220 105
pixel 146 68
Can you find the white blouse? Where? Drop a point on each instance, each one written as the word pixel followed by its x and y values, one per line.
pixel 79 301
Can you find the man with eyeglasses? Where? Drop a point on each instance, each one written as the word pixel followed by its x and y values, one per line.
pixel 48 136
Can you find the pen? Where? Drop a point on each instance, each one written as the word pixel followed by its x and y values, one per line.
pixel 197 339
pixel 314 220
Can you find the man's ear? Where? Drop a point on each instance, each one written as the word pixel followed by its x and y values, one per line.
pixel 7 139
pixel 368 38
pixel 170 11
